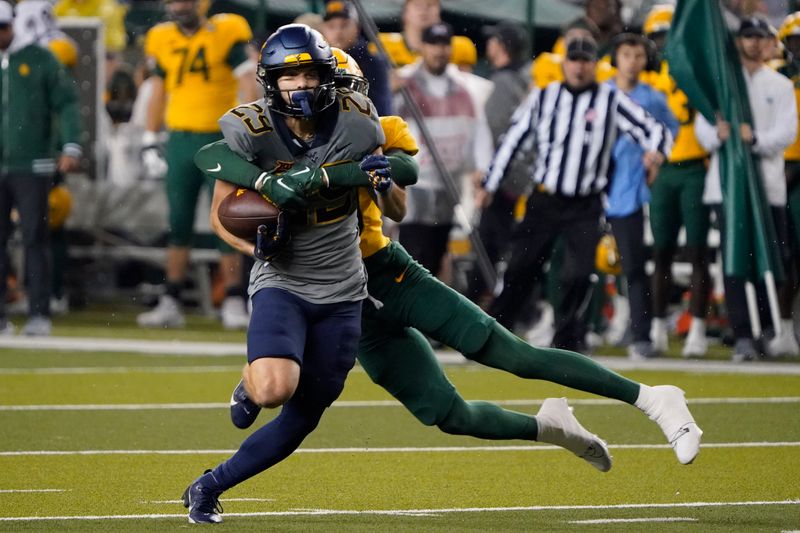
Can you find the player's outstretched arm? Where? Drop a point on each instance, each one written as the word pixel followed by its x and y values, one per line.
pixel 216 160
pixel 404 171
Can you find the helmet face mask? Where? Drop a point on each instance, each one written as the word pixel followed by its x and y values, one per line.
pixel 292 47
pixel 348 74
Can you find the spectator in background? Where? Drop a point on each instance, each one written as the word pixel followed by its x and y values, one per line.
pixel 506 49
pixel 677 201
pixel 461 135
pixel 37 89
pixel 404 48
pixel 789 35
pixel 629 192
pixel 774 128
pixel 573 126
pixel 198 65
pixel 547 67
pixel 35 23
pixel 341 29
pixel 463 58
pixel 110 12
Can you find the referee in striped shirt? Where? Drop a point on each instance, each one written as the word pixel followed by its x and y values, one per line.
pixel 574 125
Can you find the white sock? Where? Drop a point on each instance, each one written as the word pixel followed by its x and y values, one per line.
pixel 646 398
pixel 658 325
pixel 697 328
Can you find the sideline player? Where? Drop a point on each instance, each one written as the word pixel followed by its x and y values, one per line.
pixel 410 300
pixel 198 65
pixel 306 289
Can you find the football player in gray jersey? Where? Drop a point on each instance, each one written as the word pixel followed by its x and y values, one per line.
pixel 306 290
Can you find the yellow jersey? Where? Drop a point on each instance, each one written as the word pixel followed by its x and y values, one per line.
pixel 792 71
pixel 198 69
pixel 398 137
pixel 111 13
pixel 686 146
pixel 397 49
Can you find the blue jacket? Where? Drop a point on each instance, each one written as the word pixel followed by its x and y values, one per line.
pixel 628 190
pixel 376 70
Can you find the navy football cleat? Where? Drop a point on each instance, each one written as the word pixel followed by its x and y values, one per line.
pixel 243 411
pixel 203 502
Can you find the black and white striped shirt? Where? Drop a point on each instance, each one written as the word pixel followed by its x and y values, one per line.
pixel 574 134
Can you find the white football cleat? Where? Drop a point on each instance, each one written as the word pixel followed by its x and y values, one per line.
pixel 557 425
pixel 695 346
pixel 234 313
pixel 785 343
pixel 666 406
pixel 167 314
pixel 659 335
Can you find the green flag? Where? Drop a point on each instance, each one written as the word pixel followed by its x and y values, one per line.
pixel 705 64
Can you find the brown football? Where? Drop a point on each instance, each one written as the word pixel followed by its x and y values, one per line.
pixel 243 210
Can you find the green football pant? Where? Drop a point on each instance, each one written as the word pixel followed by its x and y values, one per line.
pixel 398 358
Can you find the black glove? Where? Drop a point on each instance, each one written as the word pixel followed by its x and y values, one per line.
pixel 270 242
pixel 379 171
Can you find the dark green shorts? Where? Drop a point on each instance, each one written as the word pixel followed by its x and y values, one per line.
pixel 184 181
pixel 678 201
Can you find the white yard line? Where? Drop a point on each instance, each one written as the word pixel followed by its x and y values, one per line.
pixel 122 370
pixel 189 348
pixel 371 403
pixel 398 449
pixel 632 520
pixel 11 491
pixel 415 512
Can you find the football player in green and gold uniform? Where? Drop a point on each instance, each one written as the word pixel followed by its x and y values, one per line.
pixel 199 65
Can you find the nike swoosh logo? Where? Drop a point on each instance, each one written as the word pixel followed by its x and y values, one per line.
pixel 282 184
pixel 215 169
pixel 305 171
pixel 401 277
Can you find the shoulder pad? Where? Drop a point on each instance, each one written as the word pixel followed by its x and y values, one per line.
pixel 232 26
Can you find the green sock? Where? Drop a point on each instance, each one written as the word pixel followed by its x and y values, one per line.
pixel 506 351
pixel 486 420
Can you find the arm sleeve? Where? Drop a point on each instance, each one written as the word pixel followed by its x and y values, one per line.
pixel 784 131
pixel 521 127
pixel 404 172
pixel 217 160
pixel 63 97
pixel 706 133
pixel 648 132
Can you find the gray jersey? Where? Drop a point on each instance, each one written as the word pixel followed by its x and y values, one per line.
pixel 322 262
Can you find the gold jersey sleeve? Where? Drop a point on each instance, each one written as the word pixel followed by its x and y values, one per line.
pixel 398 137
pixel 686 146
pixel 793 152
pixel 198 77
pixel 397 49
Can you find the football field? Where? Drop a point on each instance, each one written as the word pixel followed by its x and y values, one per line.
pixel 105 439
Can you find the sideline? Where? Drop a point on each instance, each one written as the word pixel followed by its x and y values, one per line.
pixel 188 348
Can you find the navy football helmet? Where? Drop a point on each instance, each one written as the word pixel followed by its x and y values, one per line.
pixel 292 46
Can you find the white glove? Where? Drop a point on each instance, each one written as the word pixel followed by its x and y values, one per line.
pixel 155 166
